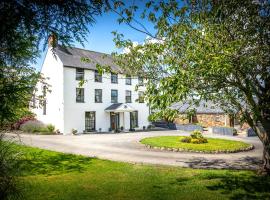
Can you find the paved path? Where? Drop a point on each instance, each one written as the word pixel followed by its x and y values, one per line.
pixel 126 147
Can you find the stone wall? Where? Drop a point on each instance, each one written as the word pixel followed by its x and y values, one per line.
pixel 206 120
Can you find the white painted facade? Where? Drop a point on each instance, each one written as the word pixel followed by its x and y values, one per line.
pixel 66 114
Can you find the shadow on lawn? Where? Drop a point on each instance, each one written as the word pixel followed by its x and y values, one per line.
pixel 53 163
pixel 241 186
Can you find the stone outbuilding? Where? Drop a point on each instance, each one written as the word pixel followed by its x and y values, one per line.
pixel 206 113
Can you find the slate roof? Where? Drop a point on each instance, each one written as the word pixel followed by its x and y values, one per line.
pixel 204 107
pixel 71 57
pixel 114 106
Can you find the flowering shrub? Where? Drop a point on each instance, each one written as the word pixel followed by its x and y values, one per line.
pixel 33 126
pixel 17 125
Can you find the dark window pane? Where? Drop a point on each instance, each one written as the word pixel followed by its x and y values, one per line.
pixel 141 97
pixel 128 80
pixel 134 119
pixel 128 96
pixel 98 95
pixel 79 74
pixel 98 77
pixel 114 96
pixel 79 94
pixel 114 78
pixel 140 81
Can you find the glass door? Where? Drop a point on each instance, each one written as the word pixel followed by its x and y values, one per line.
pixel 90 121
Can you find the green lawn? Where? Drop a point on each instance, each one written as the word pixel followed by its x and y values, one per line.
pixel 212 145
pixel 52 175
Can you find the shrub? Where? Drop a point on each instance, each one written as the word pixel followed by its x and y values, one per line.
pixel 74 131
pixel 195 141
pixel 17 125
pixel 10 165
pixel 33 127
pixel 186 139
pixel 196 137
pixel 51 128
pixel 196 134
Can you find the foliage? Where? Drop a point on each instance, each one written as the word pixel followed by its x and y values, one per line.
pixel 195 137
pixel 205 50
pixel 10 166
pixel 17 125
pixel 25 25
pixel 35 126
pixel 212 145
pixel 50 175
pixel 74 131
pixel 51 128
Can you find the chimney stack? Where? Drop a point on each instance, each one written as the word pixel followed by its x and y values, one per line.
pixel 52 40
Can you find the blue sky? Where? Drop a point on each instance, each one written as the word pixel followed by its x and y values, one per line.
pixel 100 37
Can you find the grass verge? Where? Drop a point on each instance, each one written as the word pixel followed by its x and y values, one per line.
pixel 50 175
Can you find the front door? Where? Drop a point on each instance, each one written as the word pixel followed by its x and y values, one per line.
pixel 90 121
pixel 114 120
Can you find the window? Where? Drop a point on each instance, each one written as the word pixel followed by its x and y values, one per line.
pixel 90 121
pixel 98 95
pixel 79 74
pixel 114 96
pixel 141 97
pixel 128 80
pixel 114 78
pixel 140 81
pixel 80 95
pixel 128 96
pixel 98 76
pixel 133 119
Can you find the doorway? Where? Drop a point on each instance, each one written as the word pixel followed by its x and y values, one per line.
pixel 115 118
pixel 90 121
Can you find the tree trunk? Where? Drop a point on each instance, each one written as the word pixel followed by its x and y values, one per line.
pixel 263 131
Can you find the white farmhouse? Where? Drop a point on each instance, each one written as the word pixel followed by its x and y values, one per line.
pixel 103 103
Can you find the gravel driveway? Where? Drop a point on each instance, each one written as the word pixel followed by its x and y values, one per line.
pixel 127 148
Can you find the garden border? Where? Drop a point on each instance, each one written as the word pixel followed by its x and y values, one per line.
pixel 251 147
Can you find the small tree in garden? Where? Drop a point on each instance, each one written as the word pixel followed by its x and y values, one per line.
pixel 211 50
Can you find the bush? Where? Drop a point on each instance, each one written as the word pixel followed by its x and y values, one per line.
pixel 186 139
pixel 74 131
pixel 32 126
pixel 17 125
pixel 196 134
pixel 51 128
pixel 10 168
pixel 196 137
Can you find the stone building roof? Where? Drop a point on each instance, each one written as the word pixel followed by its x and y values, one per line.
pixel 72 57
pixel 204 107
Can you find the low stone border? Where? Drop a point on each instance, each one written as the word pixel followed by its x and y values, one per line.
pixel 205 152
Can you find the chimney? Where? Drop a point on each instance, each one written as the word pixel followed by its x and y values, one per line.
pixel 52 40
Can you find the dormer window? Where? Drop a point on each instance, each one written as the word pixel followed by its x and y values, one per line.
pixel 114 78
pixel 79 74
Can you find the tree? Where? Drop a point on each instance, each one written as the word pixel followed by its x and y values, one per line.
pixel 25 25
pixel 216 50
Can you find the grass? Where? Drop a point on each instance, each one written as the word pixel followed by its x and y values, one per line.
pixel 56 176
pixel 212 145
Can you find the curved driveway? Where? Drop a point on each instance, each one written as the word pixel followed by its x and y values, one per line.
pixel 127 148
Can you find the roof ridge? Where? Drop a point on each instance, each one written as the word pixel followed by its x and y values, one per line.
pixel 84 49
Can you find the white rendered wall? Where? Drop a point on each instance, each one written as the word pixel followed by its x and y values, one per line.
pixel 74 113
pixel 53 70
